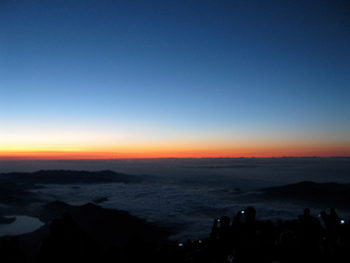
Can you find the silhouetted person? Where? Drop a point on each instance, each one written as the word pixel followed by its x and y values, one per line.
pixel 221 237
pixel 236 228
pixel 286 246
pixel 309 234
pixel 251 225
pixel 309 224
pixel 334 218
pixel 252 245
pixel 221 229
pixel 332 224
pixel 306 220
pixel 237 218
pixel 225 229
pixel 52 247
pixel 214 235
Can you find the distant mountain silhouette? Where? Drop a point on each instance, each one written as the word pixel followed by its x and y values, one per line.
pixel 13 196
pixel 16 197
pixel 69 177
pixel 326 194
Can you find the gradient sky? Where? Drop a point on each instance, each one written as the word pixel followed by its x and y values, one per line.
pixel 180 78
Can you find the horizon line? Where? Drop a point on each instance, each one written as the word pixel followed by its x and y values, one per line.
pixel 11 158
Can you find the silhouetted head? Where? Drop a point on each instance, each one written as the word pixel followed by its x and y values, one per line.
pixel 307 211
pixel 323 213
pixel 250 213
pixel 225 221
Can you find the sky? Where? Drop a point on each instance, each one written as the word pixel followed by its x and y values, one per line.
pixel 174 78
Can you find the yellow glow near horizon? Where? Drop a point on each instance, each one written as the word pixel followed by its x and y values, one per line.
pixel 179 150
pixel 90 144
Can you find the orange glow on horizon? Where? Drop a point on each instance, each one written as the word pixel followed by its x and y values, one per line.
pixel 261 152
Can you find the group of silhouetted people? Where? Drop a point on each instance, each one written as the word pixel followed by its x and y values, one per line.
pixel 243 239
pixel 305 239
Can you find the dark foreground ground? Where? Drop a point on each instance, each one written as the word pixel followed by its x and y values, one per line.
pixel 89 233
pixel 96 234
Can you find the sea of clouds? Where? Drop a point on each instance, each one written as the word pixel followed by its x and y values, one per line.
pixel 188 194
pixel 190 211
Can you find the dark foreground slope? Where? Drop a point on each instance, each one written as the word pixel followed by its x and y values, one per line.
pixel 120 237
pixel 108 231
pixel 112 234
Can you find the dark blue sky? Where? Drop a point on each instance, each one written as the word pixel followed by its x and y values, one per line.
pixel 176 77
